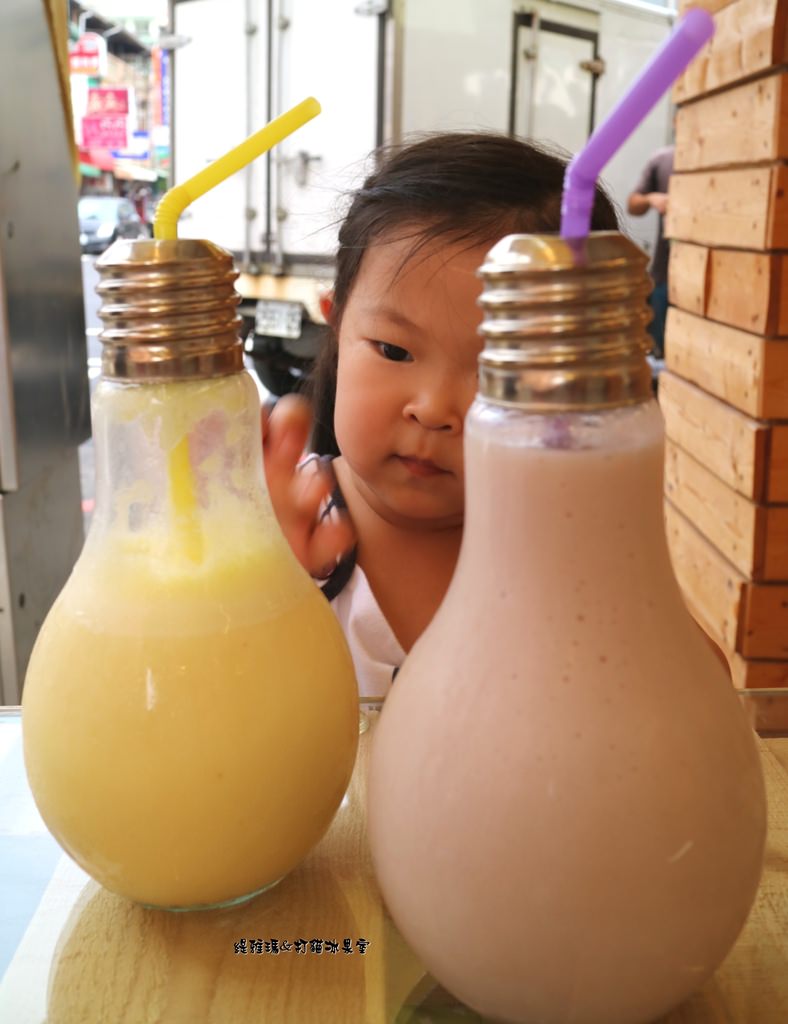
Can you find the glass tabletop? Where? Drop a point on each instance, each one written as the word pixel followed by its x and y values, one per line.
pixel 319 947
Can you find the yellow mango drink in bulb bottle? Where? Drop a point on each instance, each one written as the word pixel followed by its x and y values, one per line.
pixel 190 713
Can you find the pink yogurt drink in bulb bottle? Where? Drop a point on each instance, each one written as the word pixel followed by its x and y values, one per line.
pixel 566 805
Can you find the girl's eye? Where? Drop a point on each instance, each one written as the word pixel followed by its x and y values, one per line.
pixel 394 352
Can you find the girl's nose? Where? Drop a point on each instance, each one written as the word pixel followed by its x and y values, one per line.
pixel 434 410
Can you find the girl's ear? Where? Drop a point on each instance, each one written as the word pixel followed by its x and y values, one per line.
pixel 327 305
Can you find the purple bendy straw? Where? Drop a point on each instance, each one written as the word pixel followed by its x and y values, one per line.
pixel 657 77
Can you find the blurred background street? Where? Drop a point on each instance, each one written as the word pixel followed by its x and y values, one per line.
pixel 115 102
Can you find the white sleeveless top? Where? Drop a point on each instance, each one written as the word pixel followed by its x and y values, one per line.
pixel 376 652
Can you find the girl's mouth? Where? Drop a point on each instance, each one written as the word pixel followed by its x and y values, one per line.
pixel 420 467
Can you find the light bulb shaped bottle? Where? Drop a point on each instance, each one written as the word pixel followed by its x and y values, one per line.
pixel 566 805
pixel 190 713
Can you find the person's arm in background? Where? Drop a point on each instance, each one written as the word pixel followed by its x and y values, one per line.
pixel 644 196
pixel 639 203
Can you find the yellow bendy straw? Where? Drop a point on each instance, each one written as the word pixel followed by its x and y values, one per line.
pixel 184 501
pixel 183 491
pixel 175 201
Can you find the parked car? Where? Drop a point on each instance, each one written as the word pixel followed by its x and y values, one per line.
pixel 103 219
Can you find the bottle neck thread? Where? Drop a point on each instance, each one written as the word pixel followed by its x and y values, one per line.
pixel 564 323
pixel 169 309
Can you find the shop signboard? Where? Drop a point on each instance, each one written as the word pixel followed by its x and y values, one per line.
pixel 166 86
pixel 108 101
pixel 137 148
pixel 88 55
pixel 106 121
pixel 155 86
pixel 105 132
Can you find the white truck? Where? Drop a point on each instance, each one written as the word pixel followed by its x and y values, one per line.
pixel 542 69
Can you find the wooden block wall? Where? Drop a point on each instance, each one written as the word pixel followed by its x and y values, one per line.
pixel 708 282
pixel 749 39
pixel 724 394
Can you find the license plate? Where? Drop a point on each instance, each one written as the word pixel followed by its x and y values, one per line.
pixel 277 318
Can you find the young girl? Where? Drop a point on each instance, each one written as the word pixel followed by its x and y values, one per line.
pixel 394 380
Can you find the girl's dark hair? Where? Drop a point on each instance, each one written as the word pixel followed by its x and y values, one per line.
pixel 463 186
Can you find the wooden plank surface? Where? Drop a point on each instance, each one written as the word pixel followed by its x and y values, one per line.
pixel 747 207
pixel 733 524
pixel 746 618
pixel 712 587
pixel 775 545
pixel 736 287
pixel 779 325
pixel 733 446
pixel 749 39
pixel 758 675
pixel 777 481
pixel 746 290
pixel 747 124
pixel 688 276
pixel 764 622
pixel 743 617
pixel 743 369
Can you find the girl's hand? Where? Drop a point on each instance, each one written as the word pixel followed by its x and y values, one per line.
pixel 297 495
